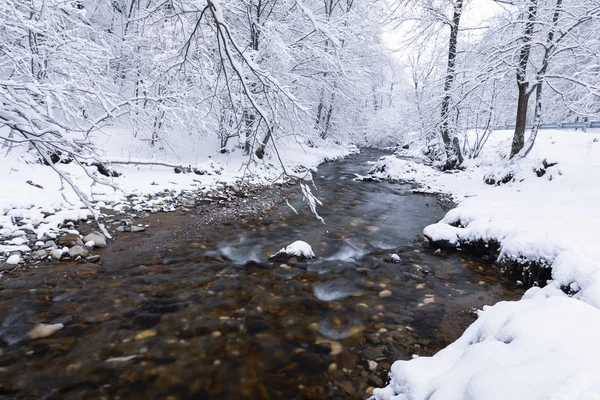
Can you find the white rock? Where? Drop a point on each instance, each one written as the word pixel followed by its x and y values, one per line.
pixel 14 259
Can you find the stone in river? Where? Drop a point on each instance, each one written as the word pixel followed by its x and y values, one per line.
pixel 372 354
pixel 44 330
pixel 385 293
pixel 145 334
pixel 92 259
pixel 299 249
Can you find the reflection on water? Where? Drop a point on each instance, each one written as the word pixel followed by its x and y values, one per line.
pixel 215 320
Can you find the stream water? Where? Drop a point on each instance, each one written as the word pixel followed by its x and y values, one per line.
pixel 213 320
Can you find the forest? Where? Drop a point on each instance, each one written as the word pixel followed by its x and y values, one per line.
pixel 256 74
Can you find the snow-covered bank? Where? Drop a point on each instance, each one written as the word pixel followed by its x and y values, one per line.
pixel 546 213
pixel 544 346
pixel 35 204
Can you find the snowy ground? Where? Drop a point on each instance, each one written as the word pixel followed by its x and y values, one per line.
pixel 34 201
pixel 545 345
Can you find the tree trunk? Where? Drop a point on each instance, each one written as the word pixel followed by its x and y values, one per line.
pixel 452 147
pixel 525 148
pixel 523 85
pixel 519 136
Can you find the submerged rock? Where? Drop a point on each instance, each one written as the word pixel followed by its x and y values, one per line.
pixel 44 330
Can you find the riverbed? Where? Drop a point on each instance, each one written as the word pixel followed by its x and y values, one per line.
pixel 206 316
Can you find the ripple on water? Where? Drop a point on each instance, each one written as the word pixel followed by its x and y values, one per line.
pixel 348 252
pixel 340 325
pixel 335 290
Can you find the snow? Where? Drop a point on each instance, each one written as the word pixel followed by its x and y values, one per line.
pixel 42 209
pixel 14 259
pixel 544 345
pixel 298 249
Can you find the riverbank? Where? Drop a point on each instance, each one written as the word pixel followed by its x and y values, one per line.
pixel 540 218
pixel 38 207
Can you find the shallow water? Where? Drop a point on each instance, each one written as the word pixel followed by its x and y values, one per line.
pixel 212 319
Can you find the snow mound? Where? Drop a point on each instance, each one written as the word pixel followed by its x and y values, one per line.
pixel 544 346
pixel 298 249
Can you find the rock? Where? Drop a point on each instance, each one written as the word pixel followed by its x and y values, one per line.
pixel 93 259
pixel 98 238
pixel 69 240
pixel 372 365
pixel 123 228
pixel 385 293
pixel 377 381
pixel 13 259
pixel 39 254
pixel 44 330
pixel 372 354
pixel 50 244
pixel 78 251
pixel 393 258
pixel 299 250
pixel 145 334
pixel 56 253
pixel 4 266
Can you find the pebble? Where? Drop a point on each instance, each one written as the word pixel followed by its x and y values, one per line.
pixel 44 330
pixel 145 334
pixel 372 365
pixel 216 334
pixel 385 293
pixel 92 259
pixel 332 368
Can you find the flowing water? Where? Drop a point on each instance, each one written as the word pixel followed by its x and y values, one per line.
pixel 212 319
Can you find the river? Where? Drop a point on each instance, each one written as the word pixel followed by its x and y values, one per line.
pixel 212 319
